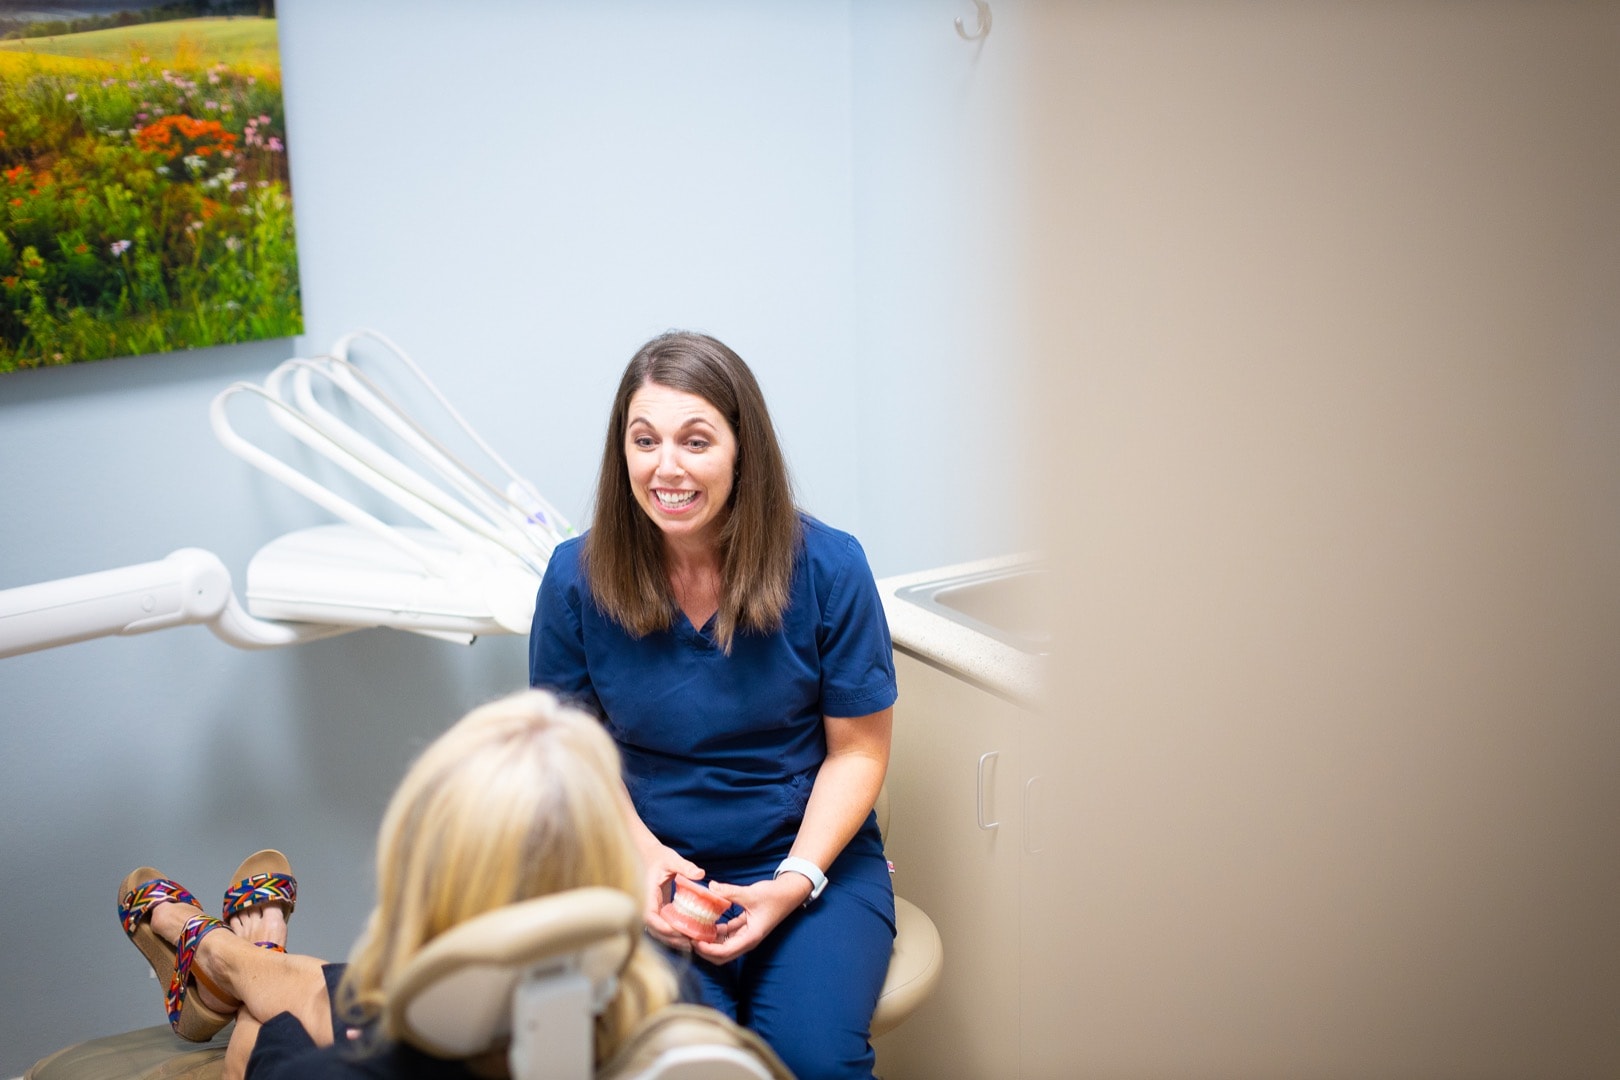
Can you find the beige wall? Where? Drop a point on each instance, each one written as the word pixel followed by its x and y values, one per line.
pixel 1326 298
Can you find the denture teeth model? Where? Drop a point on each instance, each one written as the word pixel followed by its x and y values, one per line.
pixel 694 910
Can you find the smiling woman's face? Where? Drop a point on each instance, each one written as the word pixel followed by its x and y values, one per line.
pixel 681 459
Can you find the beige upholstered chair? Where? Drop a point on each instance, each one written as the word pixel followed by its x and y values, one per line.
pixel 918 957
pixel 530 975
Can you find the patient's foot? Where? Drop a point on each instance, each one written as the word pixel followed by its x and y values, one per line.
pixel 261 898
pixel 169 921
pixel 257 925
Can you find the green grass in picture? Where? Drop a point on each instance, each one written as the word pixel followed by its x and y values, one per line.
pixel 144 192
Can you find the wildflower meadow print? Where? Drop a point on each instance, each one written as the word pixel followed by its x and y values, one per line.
pixel 144 195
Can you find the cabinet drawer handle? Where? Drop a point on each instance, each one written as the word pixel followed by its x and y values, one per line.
pixel 984 759
pixel 1034 843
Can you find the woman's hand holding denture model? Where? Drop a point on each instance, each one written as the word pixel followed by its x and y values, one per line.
pixel 846 789
pixel 736 650
pixel 664 866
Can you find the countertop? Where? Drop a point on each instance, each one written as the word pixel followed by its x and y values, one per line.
pixel 934 638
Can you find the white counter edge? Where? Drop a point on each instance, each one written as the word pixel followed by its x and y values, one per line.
pixel 1004 670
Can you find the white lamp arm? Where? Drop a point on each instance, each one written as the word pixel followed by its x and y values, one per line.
pixel 190 586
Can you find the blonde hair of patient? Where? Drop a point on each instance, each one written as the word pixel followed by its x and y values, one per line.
pixel 517 800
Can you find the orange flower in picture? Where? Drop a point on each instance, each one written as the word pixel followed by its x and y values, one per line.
pixel 181 134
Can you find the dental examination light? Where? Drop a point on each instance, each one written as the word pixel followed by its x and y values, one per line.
pixel 471 566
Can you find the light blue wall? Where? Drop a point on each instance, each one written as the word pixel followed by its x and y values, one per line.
pixel 519 194
pixel 939 210
pixel 522 198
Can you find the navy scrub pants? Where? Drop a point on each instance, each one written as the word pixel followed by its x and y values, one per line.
pixel 809 989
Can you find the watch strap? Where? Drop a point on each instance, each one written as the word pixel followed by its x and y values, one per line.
pixel 808 869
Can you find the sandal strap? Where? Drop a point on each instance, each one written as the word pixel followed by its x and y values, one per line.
pixel 261 889
pixel 139 901
pixel 197 928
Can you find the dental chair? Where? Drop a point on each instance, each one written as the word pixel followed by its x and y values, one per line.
pixel 535 974
pixel 526 979
pixel 529 976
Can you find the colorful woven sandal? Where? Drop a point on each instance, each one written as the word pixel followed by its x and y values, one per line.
pixel 265 877
pixel 185 1016
pixel 142 891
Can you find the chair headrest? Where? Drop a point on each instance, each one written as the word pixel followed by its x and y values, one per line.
pixel 454 999
pixel 681 1041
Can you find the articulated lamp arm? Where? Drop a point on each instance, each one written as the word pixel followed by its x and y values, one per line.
pixel 191 586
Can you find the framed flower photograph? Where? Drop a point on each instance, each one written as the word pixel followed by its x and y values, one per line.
pixel 145 202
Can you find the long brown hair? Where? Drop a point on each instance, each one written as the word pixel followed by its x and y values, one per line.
pixel 624 551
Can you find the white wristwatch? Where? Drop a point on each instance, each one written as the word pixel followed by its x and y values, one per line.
pixel 794 864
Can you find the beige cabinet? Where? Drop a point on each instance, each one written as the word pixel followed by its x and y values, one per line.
pixel 956 835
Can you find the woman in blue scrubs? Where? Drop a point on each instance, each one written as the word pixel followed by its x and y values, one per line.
pixel 737 652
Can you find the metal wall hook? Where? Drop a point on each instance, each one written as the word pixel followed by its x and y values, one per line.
pixel 983 29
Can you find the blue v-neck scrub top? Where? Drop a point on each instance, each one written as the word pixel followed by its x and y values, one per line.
pixel 720 751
